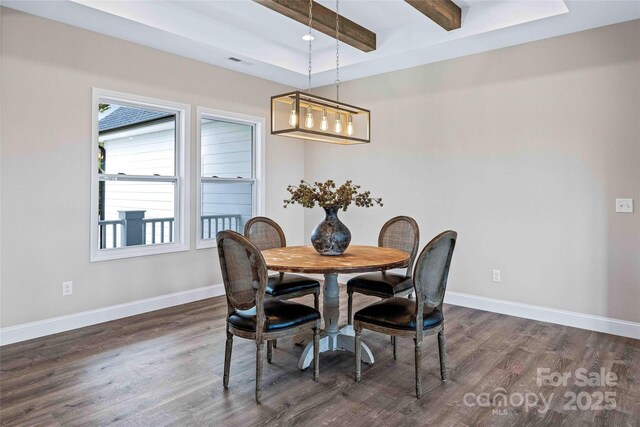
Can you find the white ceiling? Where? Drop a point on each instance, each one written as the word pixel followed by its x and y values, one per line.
pixel 271 45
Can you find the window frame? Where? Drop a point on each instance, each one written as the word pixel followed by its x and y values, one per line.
pixel 258 165
pixel 181 178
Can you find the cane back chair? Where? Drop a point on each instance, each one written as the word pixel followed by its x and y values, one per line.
pixel 267 234
pixel 402 233
pixel 400 316
pixel 250 314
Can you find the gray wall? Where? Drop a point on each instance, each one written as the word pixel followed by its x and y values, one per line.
pixel 521 150
pixel 47 72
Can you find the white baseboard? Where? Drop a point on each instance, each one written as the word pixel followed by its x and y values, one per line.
pixel 535 312
pixel 544 314
pixel 27 331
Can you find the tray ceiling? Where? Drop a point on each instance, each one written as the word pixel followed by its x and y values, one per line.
pixel 270 45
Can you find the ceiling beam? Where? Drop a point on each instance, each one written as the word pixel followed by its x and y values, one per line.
pixel 443 12
pixel 324 20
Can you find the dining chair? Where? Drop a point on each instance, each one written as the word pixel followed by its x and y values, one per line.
pixel 265 233
pixel 253 316
pixel 414 318
pixel 402 233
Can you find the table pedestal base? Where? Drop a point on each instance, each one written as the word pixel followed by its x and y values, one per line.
pixel 333 338
pixel 343 340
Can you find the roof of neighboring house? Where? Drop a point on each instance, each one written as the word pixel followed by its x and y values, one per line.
pixel 126 116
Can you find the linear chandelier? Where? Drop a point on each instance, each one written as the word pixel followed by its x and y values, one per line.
pixel 303 115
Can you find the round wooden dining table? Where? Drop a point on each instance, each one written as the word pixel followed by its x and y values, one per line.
pixel 356 259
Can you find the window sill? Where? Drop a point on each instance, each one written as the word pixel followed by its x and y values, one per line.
pixel 206 243
pixel 136 251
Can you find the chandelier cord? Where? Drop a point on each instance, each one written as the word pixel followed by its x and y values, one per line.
pixel 310 38
pixel 337 50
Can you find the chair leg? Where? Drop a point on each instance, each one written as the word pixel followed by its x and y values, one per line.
pixel 349 307
pixel 316 353
pixel 394 340
pixel 358 349
pixel 227 360
pixel 275 343
pixel 443 356
pixel 316 300
pixel 269 350
pixel 259 351
pixel 418 368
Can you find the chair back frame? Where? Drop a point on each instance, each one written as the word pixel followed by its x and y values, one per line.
pixel 422 299
pixel 269 222
pixel 414 226
pixel 259 274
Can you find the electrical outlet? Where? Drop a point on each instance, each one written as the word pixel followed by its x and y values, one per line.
pixel 67 288
pixel 624 205
pixel 496 275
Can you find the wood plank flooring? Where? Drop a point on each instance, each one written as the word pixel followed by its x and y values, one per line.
pixel 165 368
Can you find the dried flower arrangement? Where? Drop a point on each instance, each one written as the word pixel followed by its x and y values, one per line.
pixel 327 195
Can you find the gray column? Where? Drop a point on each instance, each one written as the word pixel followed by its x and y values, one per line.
pixel 133 231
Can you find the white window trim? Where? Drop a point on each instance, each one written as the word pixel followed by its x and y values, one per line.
pixel 258 159
pixel 182 217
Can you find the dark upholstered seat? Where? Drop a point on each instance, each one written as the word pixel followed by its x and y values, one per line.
pixel 381 281
pixel 398 313
pixel 278 314
pixel 285 284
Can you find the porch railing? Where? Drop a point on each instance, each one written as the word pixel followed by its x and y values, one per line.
pixel 211 224
pixel 134 229
pixel 113 228
pixel 150 227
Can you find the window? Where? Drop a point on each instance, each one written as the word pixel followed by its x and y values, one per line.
pixel 230 164
pixel 139 186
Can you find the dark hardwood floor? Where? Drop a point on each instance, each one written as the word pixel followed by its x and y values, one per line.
pixel 165 368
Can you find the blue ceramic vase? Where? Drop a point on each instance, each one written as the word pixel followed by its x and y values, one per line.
pixel 331 237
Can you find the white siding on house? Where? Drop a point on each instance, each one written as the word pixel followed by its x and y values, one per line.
pixel 156 198
pixel 141 154
pixel 226 149
pixel 145 153
pixel 227 152
pixel 220 198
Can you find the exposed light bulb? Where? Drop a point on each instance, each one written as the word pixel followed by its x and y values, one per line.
pixel 308 123
pixel 293 117
pixel 350 125
pixel 338 126
pixel 324 123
